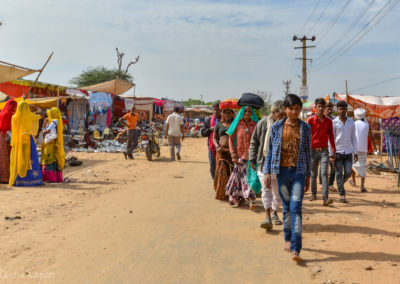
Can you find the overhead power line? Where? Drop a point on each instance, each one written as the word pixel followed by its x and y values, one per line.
pixel 367 27
pixel 376 84
pixel 309 17
pixel 320 16
pixel 326 30
pixel 347 30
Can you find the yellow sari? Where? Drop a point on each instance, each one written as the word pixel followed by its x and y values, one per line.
pixel 24 125
pixel 55 114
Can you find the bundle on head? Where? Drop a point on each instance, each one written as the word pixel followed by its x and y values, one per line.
pixel 250 99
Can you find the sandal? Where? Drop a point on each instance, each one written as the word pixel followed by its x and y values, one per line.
pixel 275 220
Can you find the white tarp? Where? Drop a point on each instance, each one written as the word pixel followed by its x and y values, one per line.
pixel 9 72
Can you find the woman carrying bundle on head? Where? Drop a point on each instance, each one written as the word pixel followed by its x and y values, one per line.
pixel 240 133
pixel 53 156
pixel 224 164
pixel 24 159
pixel 5 139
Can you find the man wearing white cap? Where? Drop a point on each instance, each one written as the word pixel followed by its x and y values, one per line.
pixel 362 131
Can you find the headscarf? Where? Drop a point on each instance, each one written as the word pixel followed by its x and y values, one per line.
pixel 55 114
pixel 239 117
pixel 24 125
pixel 359 113
pixel 6 115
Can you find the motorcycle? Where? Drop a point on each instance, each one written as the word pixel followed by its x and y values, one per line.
pixel 150 145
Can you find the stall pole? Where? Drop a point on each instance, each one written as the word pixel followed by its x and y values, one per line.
pixel 37 77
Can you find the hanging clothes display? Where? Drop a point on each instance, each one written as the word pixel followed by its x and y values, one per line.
pixel 77 115
pixel 100 109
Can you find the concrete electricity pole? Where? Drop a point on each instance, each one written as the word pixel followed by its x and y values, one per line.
pixel 304 87
pixel 287 86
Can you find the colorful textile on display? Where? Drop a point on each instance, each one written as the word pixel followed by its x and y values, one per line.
pixel 25 124
pixel 99 102
pixel 382 107
pixel 390 125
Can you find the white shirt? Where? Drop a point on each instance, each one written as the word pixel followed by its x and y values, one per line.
pixel 174 121
pixel 345 137
pixel 362 130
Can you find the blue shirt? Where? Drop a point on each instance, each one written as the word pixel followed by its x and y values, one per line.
pixel 273 160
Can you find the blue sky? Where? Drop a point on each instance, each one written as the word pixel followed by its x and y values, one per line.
pixel 215 48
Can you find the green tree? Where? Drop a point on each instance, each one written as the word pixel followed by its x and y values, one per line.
pixel 99 74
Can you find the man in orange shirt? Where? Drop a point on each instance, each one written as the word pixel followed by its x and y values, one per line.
pixel 132 120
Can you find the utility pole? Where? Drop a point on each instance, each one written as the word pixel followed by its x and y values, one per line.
pixel 287 86
pixel 304 87
pixel 347 90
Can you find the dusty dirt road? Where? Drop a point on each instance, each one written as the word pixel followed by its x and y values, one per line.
pixel 136 221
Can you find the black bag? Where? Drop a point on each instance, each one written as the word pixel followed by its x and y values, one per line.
pixel 250 99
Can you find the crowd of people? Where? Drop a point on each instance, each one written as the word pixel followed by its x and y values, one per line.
pixel 278 157
pixel 20 163
pixel 281 156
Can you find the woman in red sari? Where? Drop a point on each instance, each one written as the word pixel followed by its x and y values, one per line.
pixel 5 136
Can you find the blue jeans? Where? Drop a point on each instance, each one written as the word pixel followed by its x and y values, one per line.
pixel 211 159
pixel 343 162
pixel 291 190
pixel 316 157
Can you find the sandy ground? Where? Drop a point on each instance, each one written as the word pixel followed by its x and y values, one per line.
pixel 136 221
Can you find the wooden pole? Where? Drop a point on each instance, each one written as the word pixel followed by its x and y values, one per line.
pixel 20 67
pixel 347 91
pixel 37 77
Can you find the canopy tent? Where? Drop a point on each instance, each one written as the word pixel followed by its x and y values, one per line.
pixel 43 103
pixel 10 72
pixel 144 105
pixel 381 107
pixel 17 88
pixel 116 87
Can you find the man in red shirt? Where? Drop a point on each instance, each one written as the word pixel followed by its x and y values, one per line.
pixel 322 131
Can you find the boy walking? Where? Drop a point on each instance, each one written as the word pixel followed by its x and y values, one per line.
pixel 289 157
